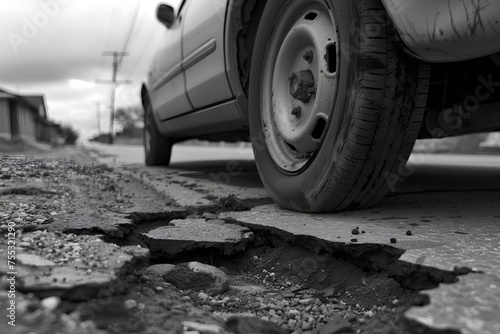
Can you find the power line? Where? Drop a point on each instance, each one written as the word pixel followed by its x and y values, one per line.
pixel 115 28
pixel 144 52
pixel 116 13
pixel 129 34
pixel 135 40
pixel 110 31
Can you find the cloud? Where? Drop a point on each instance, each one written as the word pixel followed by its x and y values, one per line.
pixel 67 42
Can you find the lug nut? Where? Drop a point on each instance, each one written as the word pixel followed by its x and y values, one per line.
pixel 311 91
pixel 297 112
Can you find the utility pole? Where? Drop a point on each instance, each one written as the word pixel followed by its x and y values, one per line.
pixel 98 116
pixel 116 60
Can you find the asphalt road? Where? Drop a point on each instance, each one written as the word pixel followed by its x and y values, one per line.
pixel 424 173
pixel 181 154
pixel 451 203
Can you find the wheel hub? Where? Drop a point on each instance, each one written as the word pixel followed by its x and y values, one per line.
pixel 302 85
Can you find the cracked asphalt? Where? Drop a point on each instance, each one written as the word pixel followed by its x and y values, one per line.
pixel 445 215
pixel 426 259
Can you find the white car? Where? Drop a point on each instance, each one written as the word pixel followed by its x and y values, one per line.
pixel 331 93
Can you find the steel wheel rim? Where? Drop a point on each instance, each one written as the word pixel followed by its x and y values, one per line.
pixel 303 45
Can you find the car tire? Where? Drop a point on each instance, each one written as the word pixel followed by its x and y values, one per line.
pixel 335 106
pixel 157 148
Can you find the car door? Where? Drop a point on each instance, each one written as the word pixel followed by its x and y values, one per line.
pixel 168 86
pixel 203 49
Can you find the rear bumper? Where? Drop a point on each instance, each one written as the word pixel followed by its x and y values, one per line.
pixel 447 30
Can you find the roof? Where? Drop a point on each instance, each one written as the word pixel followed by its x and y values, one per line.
pixel 7 94
pixel 34 100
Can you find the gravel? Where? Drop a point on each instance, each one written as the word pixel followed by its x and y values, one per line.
pixel 34 192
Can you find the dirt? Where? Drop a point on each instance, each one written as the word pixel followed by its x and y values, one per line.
pixel 298 283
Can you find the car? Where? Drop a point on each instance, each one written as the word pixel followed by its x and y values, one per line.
pixel 332 94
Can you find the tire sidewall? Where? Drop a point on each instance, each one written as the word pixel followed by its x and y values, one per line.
pixel 160 148
pixel 149 129
pixel 301 189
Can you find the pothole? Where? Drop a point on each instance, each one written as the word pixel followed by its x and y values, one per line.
pixel 300 282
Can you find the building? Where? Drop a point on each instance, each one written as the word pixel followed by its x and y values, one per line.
pixel 24 117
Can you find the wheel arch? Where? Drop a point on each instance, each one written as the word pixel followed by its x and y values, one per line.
pixel 144 95
pixel 243 17
pixel 458 30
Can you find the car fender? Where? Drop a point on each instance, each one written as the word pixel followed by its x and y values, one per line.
pixel 447 30
pixel 234 25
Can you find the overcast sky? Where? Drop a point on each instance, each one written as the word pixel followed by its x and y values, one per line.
pixel 55 47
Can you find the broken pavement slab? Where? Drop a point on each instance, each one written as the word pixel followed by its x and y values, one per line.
pixel 182 235
pixel 114 226
pixel 72 267
pixel 470 305
pixel 449 232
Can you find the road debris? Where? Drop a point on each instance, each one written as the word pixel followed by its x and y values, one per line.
pixel 198 276
pixel 85 244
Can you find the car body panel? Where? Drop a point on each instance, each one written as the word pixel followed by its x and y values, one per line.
pixel 166 78
pixel 220 119
pixel 203 37
pixel 188 83
pixel 456 30
pixel 195 81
